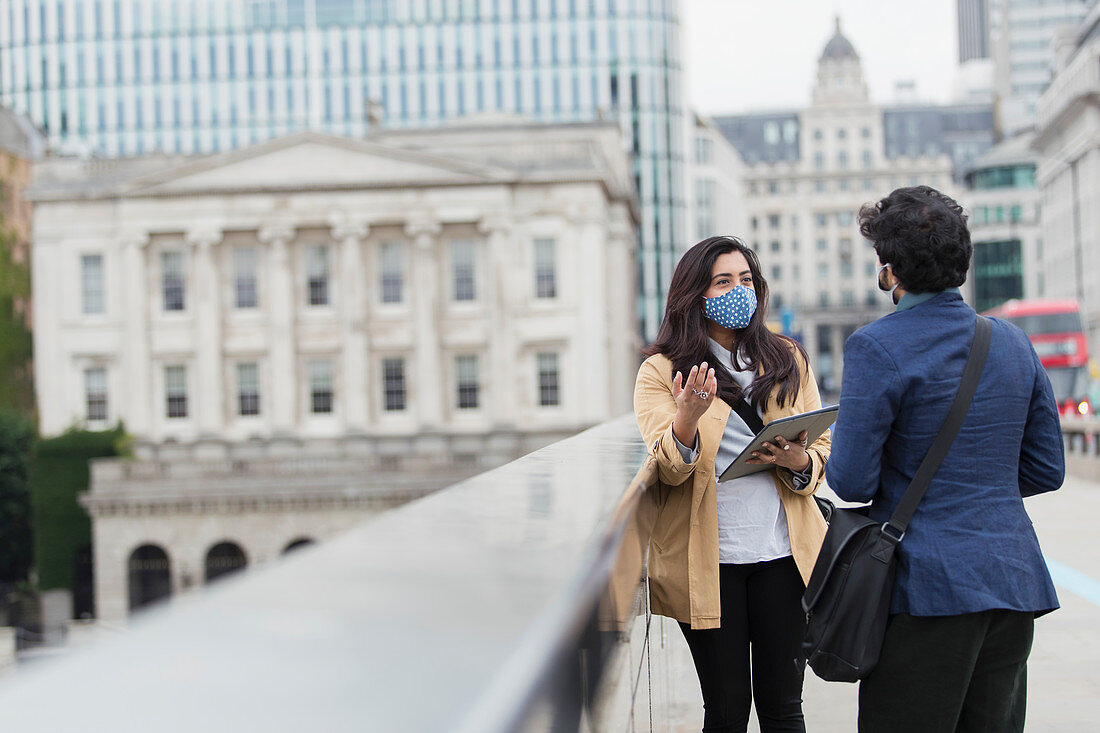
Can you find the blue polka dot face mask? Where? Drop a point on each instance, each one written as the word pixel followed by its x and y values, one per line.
pixel 732 309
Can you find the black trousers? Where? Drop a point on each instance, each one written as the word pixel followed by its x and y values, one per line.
pixel 939 674
pixel 762 619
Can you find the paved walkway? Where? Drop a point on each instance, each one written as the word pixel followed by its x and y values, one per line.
pixel 1064 672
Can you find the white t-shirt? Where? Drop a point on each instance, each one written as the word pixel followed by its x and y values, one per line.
pixel 752 526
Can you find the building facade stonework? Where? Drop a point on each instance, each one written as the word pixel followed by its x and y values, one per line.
pixel 807 173
pixel 1067 142
pixel 186 77
pixel 387 315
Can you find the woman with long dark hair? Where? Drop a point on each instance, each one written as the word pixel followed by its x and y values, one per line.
pixel 729 560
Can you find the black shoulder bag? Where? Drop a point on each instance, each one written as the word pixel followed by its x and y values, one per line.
pixel 847 601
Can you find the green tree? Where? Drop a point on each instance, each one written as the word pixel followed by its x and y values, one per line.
pixel 59 473
pixel 16 375
pixel 16 441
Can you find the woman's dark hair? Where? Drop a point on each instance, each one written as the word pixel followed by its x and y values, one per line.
pixel 683 333
pixel 922 234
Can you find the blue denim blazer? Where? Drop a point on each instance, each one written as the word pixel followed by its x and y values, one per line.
pixel 970 546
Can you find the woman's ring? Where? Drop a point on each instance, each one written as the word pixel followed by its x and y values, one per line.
pixel 704 395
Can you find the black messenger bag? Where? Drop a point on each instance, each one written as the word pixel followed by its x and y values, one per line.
pixel 847 601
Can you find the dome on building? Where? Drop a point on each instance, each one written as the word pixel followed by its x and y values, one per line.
pixel 839 47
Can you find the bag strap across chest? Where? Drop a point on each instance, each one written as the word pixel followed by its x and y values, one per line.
pixel 972 373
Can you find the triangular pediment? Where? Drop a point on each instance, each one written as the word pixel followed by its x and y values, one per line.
pixel 306 161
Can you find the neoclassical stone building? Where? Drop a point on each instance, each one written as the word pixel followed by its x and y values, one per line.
pixel 807 173
pixel 301 332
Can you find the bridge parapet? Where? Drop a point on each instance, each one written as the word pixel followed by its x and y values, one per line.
pixel 510 601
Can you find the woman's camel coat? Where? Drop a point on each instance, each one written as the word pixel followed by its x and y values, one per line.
pixel 683 556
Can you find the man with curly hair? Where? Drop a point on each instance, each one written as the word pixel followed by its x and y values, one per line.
pixel 970 575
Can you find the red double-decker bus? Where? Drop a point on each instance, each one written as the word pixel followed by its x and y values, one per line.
pixel 1058 335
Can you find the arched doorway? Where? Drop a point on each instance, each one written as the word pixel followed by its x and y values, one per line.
pixel 83 583
pixel 222 559
pixel 150 578
pixel 298 544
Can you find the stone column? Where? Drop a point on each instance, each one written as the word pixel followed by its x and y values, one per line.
pixel 280 301
pixel 136 398
pixel 209 382
pixel 426 377
pixel 353 327
pixel 621 309
pixel 111 580
pixel 504 302
pixel 836 338
pixel 586 397
pixel 809 341
pixel 7 650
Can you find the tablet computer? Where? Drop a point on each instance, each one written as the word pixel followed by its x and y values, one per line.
pixel 814 423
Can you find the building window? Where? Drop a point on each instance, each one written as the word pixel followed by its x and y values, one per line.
pixel 822 245
pixel 393 384
pixel 549 393
pixel 248 389
pixel 95 394
pixel 817 134
pixel 773 221
pixel 317 273
pixel 821 219
pixel 244 276
pixel 841 133
pixel 998 273
pixel 842 160
pixel 775 245
pixel 91 280
pixel 844 218
pixel 704 150
pixel 463 270
pixel 771 133
pixel 819 160
pixel 320 387
pixel 867 160
pixel 175 390
pixel 777 272
pixel 392 271
pixel 545 280
pixel 172 282
pixel 467 382
pixel 866 132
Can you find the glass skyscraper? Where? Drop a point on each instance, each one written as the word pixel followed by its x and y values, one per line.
pixel 128 77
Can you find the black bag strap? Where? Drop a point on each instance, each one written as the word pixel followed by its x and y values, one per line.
pixel 972 373
pixel 748 415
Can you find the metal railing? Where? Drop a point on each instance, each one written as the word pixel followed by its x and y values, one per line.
pixel 1082 440
pixel 508 602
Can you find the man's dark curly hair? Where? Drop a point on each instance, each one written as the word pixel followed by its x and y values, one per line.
pixel 922 234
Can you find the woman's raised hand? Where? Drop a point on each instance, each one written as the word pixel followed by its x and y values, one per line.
pixel 694 395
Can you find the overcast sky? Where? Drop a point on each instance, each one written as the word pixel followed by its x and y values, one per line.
pixel 746 55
